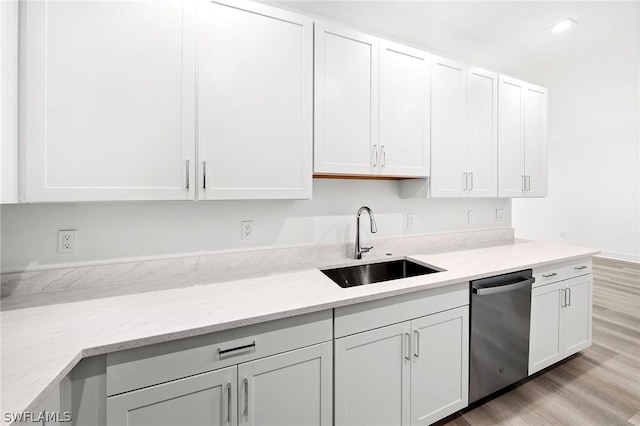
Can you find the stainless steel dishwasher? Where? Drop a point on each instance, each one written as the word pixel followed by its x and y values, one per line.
pixel 499 346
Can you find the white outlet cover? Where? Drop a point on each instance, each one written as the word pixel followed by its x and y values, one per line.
pixel 246 230
pixel 470 216
pixel 499 214
pixel 67 241
pixel 411 220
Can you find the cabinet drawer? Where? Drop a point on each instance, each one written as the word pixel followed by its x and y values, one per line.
pixel 379 313
pixel 561 271
pixel 149 365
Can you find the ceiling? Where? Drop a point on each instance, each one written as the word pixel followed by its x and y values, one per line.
pixel 507 36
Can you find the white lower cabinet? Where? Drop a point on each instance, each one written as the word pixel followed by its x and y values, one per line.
pixel 289 389
pixel 274 373
pixel 293 388
pixel 205 399
pixel 560 321
pixel 411 373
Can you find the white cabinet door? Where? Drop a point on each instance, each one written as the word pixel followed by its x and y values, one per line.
pixel 482 133
pixel 372 377
pixel 511 182
pixel 576 320
pixel 255 102
pixel 545 346
pixel 346 101
pixel 9 102
pixel 440 365
pixel 108 100
pixel 290 389
pixel 448 104
pixel 404 111
pixel 535 130
pixel 205 399
pixel 522 128
pixel 560 321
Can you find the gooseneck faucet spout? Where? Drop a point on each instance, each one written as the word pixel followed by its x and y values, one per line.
pixel 359 250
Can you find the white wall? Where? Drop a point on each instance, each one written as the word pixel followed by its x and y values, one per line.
pixel 110 231
pixel 593 142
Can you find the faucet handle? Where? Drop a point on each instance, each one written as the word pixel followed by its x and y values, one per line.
pixel 365 249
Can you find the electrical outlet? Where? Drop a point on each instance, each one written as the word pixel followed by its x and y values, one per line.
pixel 246 229
pixel 411 220
pixel 67 241
pixel 470 216
pixel 499 214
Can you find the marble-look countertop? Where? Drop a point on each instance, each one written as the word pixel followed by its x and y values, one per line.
pixel 40 345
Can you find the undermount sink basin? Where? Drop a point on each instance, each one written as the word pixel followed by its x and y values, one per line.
pixel 351 276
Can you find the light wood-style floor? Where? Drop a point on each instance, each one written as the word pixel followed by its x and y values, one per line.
pixel 599 386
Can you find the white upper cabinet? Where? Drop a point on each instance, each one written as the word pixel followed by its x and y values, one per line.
pixel 255 102
pixel 448 95
pixel 9 101
pixel 404 111
pixel 522 111
pixel 463 130
pixel 482 133
pixel 108 100
pixel 346 101
pixel 535 130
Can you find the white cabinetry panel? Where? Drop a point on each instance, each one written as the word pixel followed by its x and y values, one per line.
pixel 108 100
pixel 404 111
pixel 346 100
pixel 522 111
pixel 290 389
pixel 255 102
pixel 440 365
pixel 372 377
pixel 561 319
pixel 482 133
pixel 448 105
pixel 205 399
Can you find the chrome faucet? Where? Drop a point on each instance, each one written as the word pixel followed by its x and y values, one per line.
pixel 359 250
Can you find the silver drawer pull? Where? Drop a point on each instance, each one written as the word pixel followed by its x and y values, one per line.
pixel 246 397
pixel 188 184
pixel 229 403
pixel 408 348
pixel 549 275
pixel 579 268
pixel 227 352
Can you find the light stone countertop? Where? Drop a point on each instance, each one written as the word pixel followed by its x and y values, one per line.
pixel 40 345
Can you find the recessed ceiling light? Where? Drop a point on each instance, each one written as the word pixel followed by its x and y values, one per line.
pixel 562 25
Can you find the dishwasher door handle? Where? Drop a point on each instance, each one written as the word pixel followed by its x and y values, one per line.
pixel 503 288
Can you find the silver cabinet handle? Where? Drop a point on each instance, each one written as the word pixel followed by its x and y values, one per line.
pixel 416 350
pixel 188 183
pixel 549 275
pixel 384 156
pixel 471 186
pixel 563 298
pixel 464 180
pixel 229 403
pixel 246 397
pixel 580 268
pixel 569 292
pixel 528 182
pixel 204 174
pixel 244 348
pixel 375 153
pixel 408 347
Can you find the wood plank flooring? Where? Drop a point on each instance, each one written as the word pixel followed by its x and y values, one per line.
pixel 599 386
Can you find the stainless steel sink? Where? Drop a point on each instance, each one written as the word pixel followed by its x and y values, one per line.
pixel 351 276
